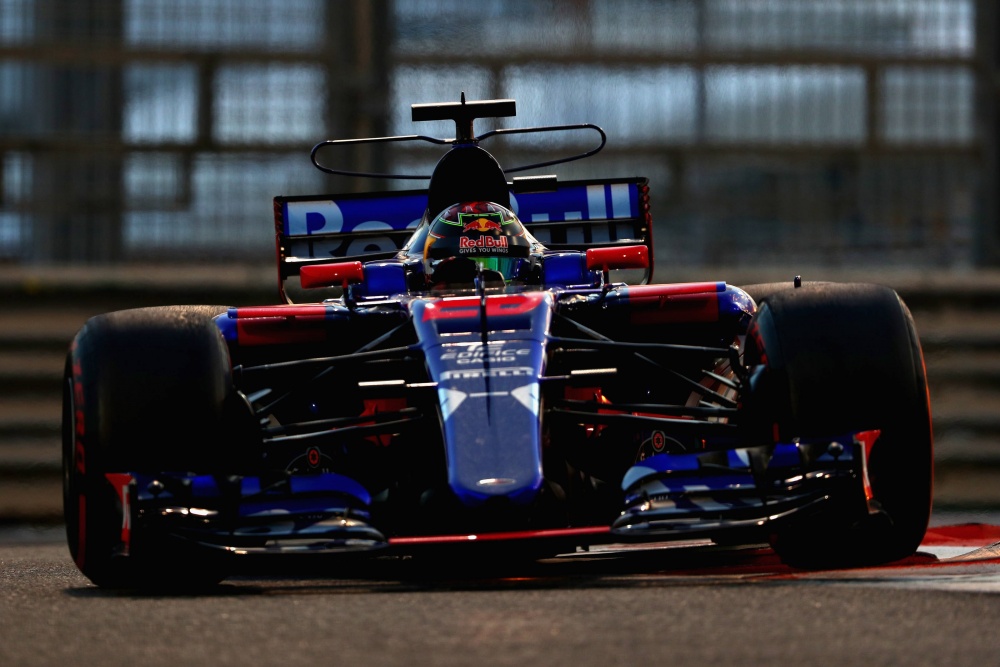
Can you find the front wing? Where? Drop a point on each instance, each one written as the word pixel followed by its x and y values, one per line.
pixel 723 495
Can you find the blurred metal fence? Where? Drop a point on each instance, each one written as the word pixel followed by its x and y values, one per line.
pixel 826 132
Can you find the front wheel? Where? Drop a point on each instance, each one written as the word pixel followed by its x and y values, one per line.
pixel 841 358
pixel 144 390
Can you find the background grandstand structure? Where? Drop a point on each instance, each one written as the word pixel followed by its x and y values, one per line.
pixel 839 133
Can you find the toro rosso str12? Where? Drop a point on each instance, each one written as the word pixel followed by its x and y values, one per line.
pixel 487 359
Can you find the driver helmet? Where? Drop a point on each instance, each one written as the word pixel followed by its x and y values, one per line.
pixel 479 238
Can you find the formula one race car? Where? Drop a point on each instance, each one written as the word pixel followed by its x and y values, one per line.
pixel 466 363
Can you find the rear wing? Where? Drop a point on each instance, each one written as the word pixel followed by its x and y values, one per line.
pixel 572 215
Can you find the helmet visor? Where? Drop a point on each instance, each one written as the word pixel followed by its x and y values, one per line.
pixel 508 267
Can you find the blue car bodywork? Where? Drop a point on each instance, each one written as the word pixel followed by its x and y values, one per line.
pixel 377 413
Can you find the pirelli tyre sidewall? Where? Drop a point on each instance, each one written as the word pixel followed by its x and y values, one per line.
pixel 838 358
pixel 145 390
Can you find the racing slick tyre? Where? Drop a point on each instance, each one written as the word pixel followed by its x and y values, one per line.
pixel 842 358
pixel 760 291
pixel 145 390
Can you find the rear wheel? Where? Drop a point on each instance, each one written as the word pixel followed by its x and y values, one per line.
pixel 145 390
pixel 760 291
pixel 844 358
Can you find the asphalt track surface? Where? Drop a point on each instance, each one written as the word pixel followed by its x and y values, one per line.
pixel 676 605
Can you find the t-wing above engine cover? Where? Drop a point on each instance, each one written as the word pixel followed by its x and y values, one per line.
pixel 463 113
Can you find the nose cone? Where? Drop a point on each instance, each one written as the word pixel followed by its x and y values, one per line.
pixel 492 436
pixel 486 356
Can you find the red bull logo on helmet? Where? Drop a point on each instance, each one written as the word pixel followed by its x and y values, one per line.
pixel 480 222
pixel 481 225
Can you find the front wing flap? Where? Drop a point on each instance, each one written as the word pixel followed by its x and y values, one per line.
pixel 323 512
pixel 753 488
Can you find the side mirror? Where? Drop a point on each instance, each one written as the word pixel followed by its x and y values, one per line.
pixel 331 275
pixel 623 257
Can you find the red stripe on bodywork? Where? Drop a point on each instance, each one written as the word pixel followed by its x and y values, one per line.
pixel 327 275
pixel 673 289
pixel 499 537
pixel 277 311
pixel 496 306
pixel 275 325
pixel 121 482
pixel 277 332
pixel 867 440
pixel 682 302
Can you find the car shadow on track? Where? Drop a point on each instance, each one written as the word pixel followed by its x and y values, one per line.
pixel 483 570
